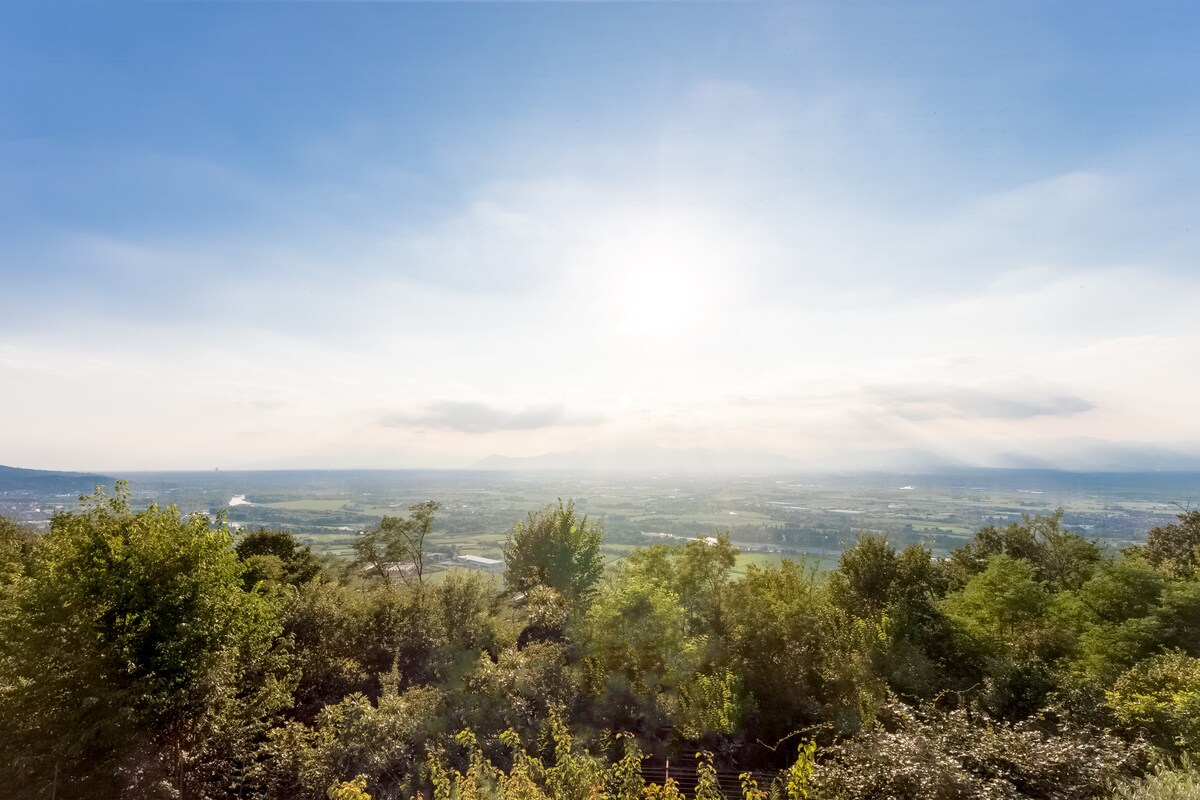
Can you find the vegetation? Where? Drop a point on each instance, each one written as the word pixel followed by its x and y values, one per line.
pixel 144 653
pixel 553 548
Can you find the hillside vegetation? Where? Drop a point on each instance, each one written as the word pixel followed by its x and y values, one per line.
pixel 147 654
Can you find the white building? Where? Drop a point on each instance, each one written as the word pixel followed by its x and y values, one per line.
pixel 481 563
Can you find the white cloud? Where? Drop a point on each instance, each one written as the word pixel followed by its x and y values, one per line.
pixel 723 260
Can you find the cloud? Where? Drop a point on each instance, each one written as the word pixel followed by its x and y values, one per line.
pixel 942 401
pixel 476 417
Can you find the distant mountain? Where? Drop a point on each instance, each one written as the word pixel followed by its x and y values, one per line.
pixel 1072 454
pixel 16 479
pixel 644 459
pixel 899 460
pixel 1101 455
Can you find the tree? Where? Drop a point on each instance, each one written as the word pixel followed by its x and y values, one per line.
pixel 1161 697
pixel 802 658
pixel 862 583
pixel 17 543
pixel 698 571
pixel 702 578
pixel 131 654
pixel 927 753
pixel 263 550
pixel 1176 547
pixel 636 632
pixel 553 548
pixel 1002 616
pixel 398 544
pixel 1061 559
pixel 382 742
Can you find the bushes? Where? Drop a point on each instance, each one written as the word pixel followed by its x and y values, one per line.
pixel 140 655
pixel 1165 783
pixel 384 743
pixel 133 659
pixel 1161 698
pixel 930 754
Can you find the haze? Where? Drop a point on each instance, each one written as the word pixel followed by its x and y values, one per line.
pixel 418 235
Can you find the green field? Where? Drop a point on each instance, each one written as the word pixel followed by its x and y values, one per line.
pixel 308 505
pixel 763 515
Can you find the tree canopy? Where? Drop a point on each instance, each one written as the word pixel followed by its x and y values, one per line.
pixel 149 654
pixel 129 646
pixel 554 548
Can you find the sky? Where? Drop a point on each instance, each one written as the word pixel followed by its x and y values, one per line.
pixel 255 235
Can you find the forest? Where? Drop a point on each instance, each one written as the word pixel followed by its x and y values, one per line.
pixel 149 654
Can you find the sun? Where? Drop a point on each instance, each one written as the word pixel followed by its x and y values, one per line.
pixel 658 275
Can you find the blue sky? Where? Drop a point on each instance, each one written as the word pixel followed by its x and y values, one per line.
pixel 391 234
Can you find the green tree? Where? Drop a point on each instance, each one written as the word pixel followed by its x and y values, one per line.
pixel 862 584
pixel 1176 547
pixel 712 704
pixel 270 552
pixel 636 635
pixel 554 548
pixel 803 659
pixel 1061 559
pixel 131 655
pixel 921 658
pixel 397 545
pixel 330 626
pixel 1161 697
pixel 17 545
pixel 1127 612
pixel 699 572
pixel 383 743
pixel 702 580
pixel 1002 616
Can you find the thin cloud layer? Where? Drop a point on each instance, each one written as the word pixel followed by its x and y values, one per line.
pixel 931 402
pixel 474 417
pixel 530 245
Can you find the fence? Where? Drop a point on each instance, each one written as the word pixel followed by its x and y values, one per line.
pixel 686 776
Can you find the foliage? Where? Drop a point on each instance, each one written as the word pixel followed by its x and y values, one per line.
pixel 863 581
pixel 17 544
pixel 930 754
pixel 396 547
pixel 328 624
pixel 144 654
pixel 553 548
pixel 1165 783
pixel 567 774
pixel 712 704
pixel 548 609
pixel 798 778
pixel 276 555
pixel 131 655
pixel 804 660
pixel 750 788
pixel 1127 612
pixel 708 787
pixel 1161 697
pixel 623 780
pixel 1060 559
pixel 349 790
pixel 1001 617
pixel 701 576
pixel 1176 547
pixel 519 689
pixel 636 637
pixel 383 743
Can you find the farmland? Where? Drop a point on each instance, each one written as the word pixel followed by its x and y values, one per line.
pixel 767 516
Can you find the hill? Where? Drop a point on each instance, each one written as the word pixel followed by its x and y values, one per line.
pixel 17 479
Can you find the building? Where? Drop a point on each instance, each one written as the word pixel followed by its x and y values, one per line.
pixel 480 563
